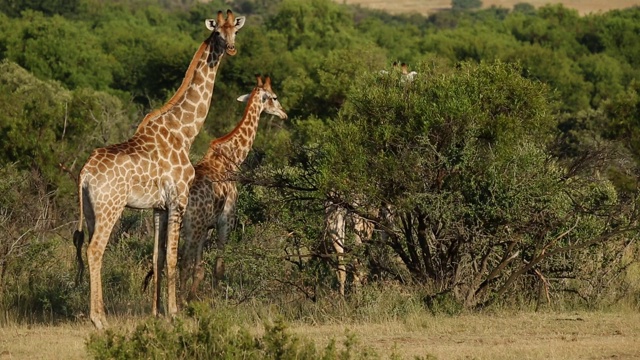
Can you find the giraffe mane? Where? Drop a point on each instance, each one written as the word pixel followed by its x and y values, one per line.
pixel 181 90
pixel 239 124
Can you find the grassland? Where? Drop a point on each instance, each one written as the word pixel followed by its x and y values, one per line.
pixel 426 7
pixel 581 335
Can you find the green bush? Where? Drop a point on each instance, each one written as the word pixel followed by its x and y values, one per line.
pixel 207 334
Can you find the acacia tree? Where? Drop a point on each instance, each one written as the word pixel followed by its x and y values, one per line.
pixel 480 206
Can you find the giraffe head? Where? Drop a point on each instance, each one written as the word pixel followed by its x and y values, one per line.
pixel 406 75
pixel 224 31
pixel 266 97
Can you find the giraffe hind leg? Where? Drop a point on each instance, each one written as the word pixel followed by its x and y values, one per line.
pixel 197 270
pixel 95 251
pixel 223 227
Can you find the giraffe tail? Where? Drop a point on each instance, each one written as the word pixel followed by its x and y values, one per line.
pixel 78 240
pixel 78 235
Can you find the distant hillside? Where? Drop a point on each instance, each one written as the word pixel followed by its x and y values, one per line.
pixel 429 6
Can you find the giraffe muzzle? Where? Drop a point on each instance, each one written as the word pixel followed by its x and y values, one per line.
pixel 231 50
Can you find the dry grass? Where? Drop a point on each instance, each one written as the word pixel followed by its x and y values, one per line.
pixel 429 6
pixel 503 336
pixel 44 342
pixel 516 336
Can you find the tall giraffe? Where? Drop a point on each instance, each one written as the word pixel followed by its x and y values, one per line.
pixel 152 170
pixel 213 194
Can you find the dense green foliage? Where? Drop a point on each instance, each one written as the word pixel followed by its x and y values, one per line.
pixel 472 178
pixel 509 162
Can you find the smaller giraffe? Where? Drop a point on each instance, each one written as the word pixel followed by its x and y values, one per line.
pixel 213 194
pixel 406 76
pixel 337 219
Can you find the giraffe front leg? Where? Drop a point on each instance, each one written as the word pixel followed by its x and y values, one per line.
pixel 335 230
pixel 159 255
pixel 363 232
pixel 185 265
pixel 176 212
pixel 341 270
pixel 187 251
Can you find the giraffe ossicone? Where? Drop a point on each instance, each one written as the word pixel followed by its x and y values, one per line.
pixel 406 74
pixel 213 194
pixel 151 170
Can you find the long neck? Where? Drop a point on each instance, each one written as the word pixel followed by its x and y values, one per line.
pixel 184 114
pixel 235 146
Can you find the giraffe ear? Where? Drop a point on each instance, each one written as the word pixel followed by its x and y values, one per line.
pixel 243 98
pixel 239 22
pixel 210 24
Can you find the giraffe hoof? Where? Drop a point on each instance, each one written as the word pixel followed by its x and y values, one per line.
pixel 99 322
